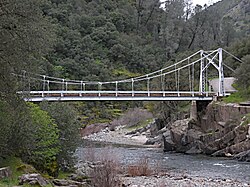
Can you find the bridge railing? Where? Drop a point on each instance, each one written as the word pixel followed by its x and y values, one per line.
pixel 44 94
pixel 186 78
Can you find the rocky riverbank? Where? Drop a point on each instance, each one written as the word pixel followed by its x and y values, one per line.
pixel 173 179
pixel 219 130
pixel 156 178
pixel 120 135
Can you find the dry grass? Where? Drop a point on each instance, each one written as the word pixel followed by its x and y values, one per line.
pixel 142 168
pixel 93 128
pixel 108 170
pixel 105 174
pixel 133 117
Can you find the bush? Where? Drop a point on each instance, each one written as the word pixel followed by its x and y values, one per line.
pixel 243 74
pixel 142 168
pixel 133 117
pixel 105 173
pixel 68 127
pixel 44 148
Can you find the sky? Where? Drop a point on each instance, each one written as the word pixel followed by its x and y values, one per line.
pixel 202 2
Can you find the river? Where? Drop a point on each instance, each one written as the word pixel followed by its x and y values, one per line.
pixel 193 165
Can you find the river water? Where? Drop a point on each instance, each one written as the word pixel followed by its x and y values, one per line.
pixel 193 165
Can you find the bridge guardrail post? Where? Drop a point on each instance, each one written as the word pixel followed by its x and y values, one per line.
pixel 148 86
pixel 62 84
pixel 132 85
pixel 116 88
pixel 80 94
pixel 99 88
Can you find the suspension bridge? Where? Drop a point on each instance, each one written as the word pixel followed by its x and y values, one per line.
pixel 184 80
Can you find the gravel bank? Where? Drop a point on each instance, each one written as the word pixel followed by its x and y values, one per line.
pixel 180 181
pixel 119 137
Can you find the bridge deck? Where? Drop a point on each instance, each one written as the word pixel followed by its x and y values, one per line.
pixel 38 96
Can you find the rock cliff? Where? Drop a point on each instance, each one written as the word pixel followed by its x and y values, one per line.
pixel 219 130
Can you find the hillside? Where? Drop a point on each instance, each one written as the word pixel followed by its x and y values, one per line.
pixel 238 11
pixel 103 40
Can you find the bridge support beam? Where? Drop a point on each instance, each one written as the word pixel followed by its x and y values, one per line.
pixel 193 111
pixel 202 74
pixel 221 74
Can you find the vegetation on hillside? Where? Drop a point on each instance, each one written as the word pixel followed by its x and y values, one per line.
pixel 26 36
pixel 242 50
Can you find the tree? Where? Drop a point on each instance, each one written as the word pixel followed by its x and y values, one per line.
pixel 44 147
pixel 24 37
pixel 172 26
pixel 65 117
pixel 243 74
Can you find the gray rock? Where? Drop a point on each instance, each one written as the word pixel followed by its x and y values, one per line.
pixel 168 144
pixel 86 168
pixel 243 156
pixel 33 179
pixel 248 132
pixel 162 131
pixel 5 172
pixel 153 141
pixel 194 150
pixel 68 183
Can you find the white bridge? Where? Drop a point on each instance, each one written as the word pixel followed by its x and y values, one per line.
pixel 185 80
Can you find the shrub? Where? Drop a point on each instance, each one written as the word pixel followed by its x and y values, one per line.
pixel 142 168
pixel 105 173
pixel 65 117
pixel 44 148
pixel 133 117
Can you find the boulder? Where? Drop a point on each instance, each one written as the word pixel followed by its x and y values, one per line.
pixel 168 144
pixel 178 129
pixel 68 183
pixel 209 150
pixel 5 172
pixel 227 139
pixel 33 179
pixel 193 135
pixel 243 156
pixel 155 126
pixel 163 130
pixel 85 169
pixel 248 132
pixel 220 153
pixel 239 147
pixel 155 140
pixel 194 150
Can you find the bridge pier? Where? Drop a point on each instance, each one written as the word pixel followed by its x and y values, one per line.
pixel 197 109
pixel 193 111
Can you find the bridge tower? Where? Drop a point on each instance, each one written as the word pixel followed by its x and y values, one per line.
pixel 202 87
pixel 221 73
pixel 219 66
